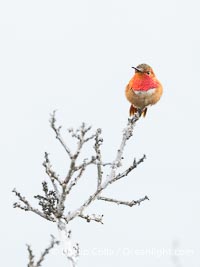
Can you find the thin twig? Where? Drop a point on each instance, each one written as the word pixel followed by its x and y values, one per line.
pixel 31 262
pixel 92 217
pixel 52 175
pixel 127 171
pixel 75 180
pixel 47 250
pixel 121 202
pixel 30 256
pixel 86 163
pixel 57 132
pixel 28 207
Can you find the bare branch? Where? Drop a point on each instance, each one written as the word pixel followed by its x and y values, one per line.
pixel 48 169
pixel 80 135
pixel 28 207
pixel 57 132
pixel 86 163
pixel 98 143
pixel 70 249
pixel 52 175
pixel 31 262
pixel 89 138
pixel 127 133
pixel 47 250
pixel 92 217
pixel 84 130
pixel 75 180
pixel 120 202
pixel 107 164
pixel 132 167
pixel 52 202
pixel 30 256
pixel 81 169
pixel 112 177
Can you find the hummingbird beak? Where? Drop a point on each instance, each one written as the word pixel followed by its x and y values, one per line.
pixel 137 69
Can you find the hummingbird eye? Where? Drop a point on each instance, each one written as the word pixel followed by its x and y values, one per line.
pixel 148 72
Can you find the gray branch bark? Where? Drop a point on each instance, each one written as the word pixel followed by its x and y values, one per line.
pixel 52 204
pixel 31 257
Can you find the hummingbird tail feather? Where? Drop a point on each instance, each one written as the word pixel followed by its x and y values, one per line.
pixel 133 110
pixel 144 112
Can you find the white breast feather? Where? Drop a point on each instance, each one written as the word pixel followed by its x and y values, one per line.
pixel 142 92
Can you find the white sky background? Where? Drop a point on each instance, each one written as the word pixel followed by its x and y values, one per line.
pixel 76 56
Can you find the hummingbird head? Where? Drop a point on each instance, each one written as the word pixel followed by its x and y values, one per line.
pixel 144 69
pixel 144 78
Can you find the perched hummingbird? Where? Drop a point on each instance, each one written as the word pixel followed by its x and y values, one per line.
pixel 143 89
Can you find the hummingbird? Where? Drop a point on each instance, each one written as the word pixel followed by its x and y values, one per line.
pixel 143 90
